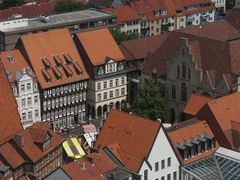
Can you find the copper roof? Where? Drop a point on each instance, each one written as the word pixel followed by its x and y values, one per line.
pixel 54 58
pixel 98 45
pixel 127 130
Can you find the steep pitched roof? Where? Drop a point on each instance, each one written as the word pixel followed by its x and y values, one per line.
pixel 15 64
pixel 139 48
pixel 9 116
pixel 124 14
pixel 187 131
pixel 96 164
pixel 126 130
pixel 98 45
pixel 54 57
pixel 233 17
pixel 195 103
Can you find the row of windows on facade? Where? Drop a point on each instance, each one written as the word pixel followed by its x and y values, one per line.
pixel 162 164
pixel 26 88
pixel 132 31
pixel 95 24
pixel 69 88
pixel 28 116
pixel 129 23
pixel 103 85
pixel 66 121
pixel 68 99
pixel 196 147
pixel 170 176
pixel 110 68
pixel 105 94
pixel 183 92
pixel 186 72
pixel 64 112
pixel 29 101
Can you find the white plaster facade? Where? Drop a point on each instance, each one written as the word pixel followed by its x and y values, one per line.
pixel 28 100
pixel 163 155
pixel 14 22
pixel 107 93
pixel 220 5
pixel 131 27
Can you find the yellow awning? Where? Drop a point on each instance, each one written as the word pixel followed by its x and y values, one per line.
pixel 73 148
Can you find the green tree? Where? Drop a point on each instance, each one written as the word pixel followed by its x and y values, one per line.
pixel 68 5
pixel 149 102
pixel 123 36
pixel 11 3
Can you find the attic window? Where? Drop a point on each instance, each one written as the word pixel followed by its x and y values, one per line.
pixel 164 12
pixel 178 11
pixel 120 66
pixel 10 59
pixel 156 13
pixel 9 74
pixel 100 71
pixel 29 70
pixel 142 14
pixel 68 59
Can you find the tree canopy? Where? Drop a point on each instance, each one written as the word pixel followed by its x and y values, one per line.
pixel 123 36
pixel 11 3
pixel 149 102
pixel 68 5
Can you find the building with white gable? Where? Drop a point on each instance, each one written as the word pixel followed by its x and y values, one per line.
pixel 24 86
pixel 139 145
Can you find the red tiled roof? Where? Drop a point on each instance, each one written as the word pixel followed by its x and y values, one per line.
pixel 211 30
pixel 16 66
pixel 195 103
pixel 124 14
pixel 140 48
pixel 11 155
pixel 98 45
pixel 187 131
pixel 40 49
pixel 29 11
pixel 30 149
pixel 9 116
pixel 101 164
pixel 126 130
pixel 233 17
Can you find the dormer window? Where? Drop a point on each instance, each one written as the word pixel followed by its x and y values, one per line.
pixel 111 67
pixel 10 59
pixel 47 143
pixel 156 13
pixel 120 67
pixel 9 74
pixel 142 14
pixel 178 11
pixel 100 71
pixel 164 12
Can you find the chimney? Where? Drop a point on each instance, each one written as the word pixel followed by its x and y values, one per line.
pixel 238 82
pixel 19 139
pixel 83 166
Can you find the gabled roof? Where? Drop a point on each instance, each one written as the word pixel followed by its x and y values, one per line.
pixel 127 130
pixel 140 48
pixel 98 45
pixel 210 30
pixel 15 64
pixel 54 57
pixel 9 116
pixel 96 164
pixel 233 17
pixel 188 131
pixel 195 103
pixel 124 14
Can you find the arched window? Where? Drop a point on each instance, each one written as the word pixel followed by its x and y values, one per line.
pixel 183 52
pixel 184 92
pixel 178 71
pixel 189 73
pixel 184 70
pixel 173 92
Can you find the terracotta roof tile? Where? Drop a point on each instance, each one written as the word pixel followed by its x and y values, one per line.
pixel 11 155
pixel 140 48
pixel 124 14
pixel 18 65
pixel 126 130
pixel 187 131
pixel 47 50
pixel 98 45
pixel 9 117
pixel 195 103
